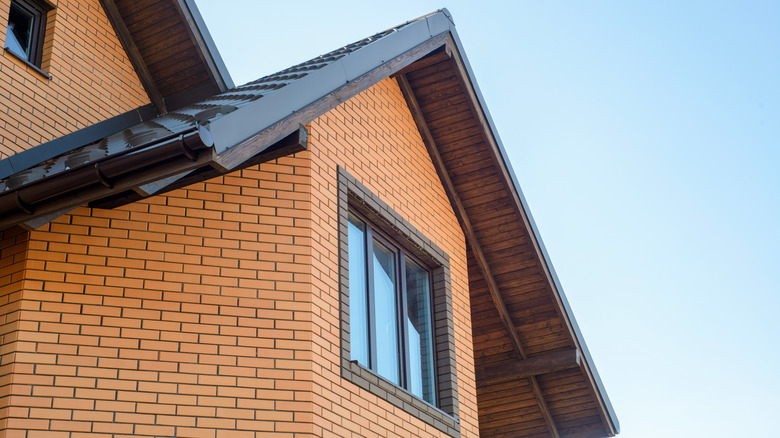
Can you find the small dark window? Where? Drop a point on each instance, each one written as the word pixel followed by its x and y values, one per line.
pixel 25 31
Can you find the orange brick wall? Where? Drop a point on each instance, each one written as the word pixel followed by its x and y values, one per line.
pixel 92 79
pixel 183 315
pixel 213 310
pixel 13 246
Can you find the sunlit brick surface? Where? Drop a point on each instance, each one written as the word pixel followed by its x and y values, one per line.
pixel 213 310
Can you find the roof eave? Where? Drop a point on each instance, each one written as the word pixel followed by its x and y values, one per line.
pixel 199 37
pixel 148 169
pixel 548 266
pixel 24 160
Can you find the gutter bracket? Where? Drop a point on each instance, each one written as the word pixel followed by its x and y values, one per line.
pixel 106 181
pixel 25 207
pixel 186 151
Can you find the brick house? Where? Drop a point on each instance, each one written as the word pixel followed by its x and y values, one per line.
pixel 337 249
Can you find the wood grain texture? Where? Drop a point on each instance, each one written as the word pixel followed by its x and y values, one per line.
pixel 542 364
pixel 165 47
pixel 464 217
pixel 522 402
pixel 134 54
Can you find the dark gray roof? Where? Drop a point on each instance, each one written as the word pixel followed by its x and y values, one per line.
pixel 47 159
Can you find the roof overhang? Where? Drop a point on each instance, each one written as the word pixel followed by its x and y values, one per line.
pixel 116 179
pixel 525 335
pixel 324 89
pixel 238 125
pixel 178 69
pixel 534 372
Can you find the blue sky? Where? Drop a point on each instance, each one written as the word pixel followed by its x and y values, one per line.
pixel 646 138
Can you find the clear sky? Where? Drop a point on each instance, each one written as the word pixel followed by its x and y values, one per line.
pixel 646 138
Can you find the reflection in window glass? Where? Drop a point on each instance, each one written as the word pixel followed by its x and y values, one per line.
pixel 18 38
pixel 419 322
pixel 358 292
pixel 390 310
pixel 385 299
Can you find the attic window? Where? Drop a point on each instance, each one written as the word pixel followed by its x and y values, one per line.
pixel 391 323
pixel 419 379
pixel 25 30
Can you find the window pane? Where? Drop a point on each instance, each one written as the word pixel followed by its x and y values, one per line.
pixel 18 38
pixel 420 326
pixel 385 302
pixel 358 292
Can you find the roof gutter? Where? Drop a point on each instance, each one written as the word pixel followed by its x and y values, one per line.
pixel 24 160
pixel 101 178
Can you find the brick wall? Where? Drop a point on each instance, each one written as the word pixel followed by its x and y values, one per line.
pixel 183 315
pixel 213 310
pixel 13 246
pixel 91 78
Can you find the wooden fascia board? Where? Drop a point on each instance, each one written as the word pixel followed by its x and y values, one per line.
pixel 460 212
pixel 533 366
pixel 562 309
pixel 434 58
pixel 134 55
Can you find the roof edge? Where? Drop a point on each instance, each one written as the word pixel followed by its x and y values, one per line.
pixel 207 45
pixel 36 155
pixel 233 131
pixel 589 363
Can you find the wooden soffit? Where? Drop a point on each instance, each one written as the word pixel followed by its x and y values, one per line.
pixel 533 372
pixel 170 49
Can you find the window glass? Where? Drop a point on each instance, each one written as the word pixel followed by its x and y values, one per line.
pixel 420 332
pixel 397 328
pixel 385 315
pixel 358 291
pixel 19 33
pixel 25 30
pixel 390 326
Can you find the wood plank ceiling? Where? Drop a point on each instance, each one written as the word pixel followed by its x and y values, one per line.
pixel 160 39
pixel 530 379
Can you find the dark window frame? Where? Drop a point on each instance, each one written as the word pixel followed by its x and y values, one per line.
pixel 354 196
pixel 400 256
pixel 39 10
